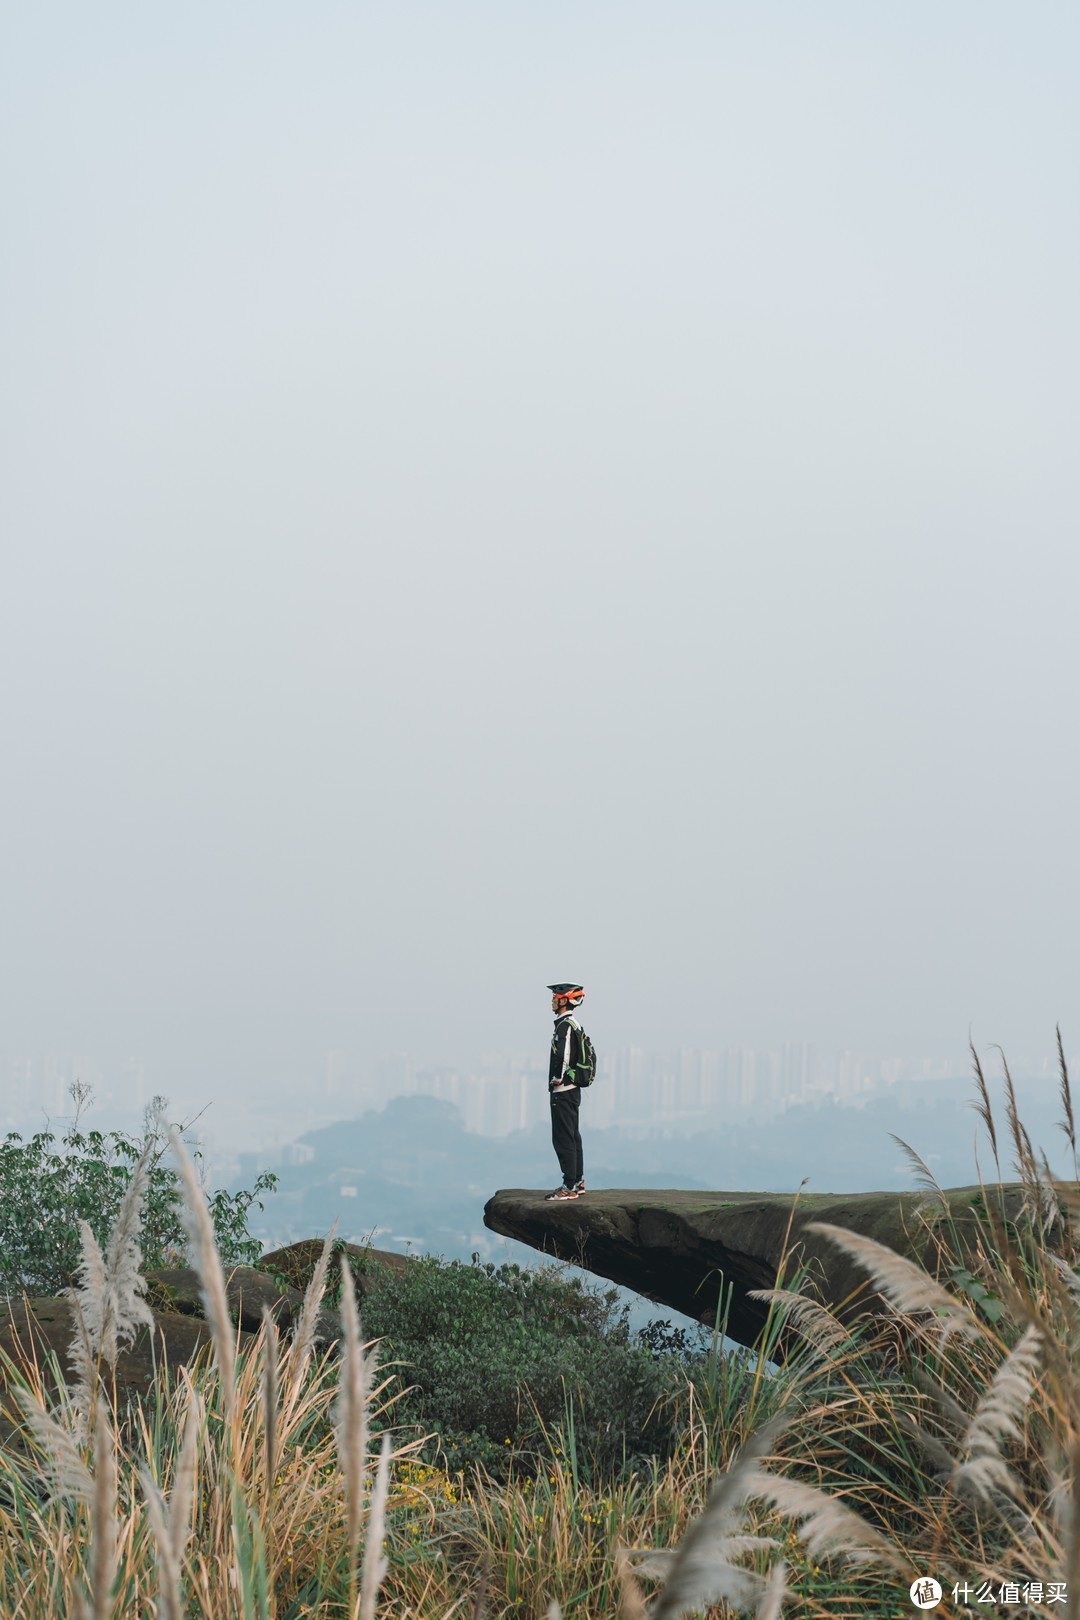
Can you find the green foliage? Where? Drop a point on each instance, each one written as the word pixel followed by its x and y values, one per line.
pixel 688 1343
pixel 508 1365
pixel 49 1183
pixel 989 1304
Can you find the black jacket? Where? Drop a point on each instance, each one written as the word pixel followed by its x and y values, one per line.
pixel 565 1051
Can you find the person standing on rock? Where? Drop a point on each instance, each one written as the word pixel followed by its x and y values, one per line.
pixel 571 1066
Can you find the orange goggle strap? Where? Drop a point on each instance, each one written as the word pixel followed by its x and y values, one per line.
pixel 569 997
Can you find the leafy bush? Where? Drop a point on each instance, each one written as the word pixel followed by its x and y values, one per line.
pixel 508 1363
pixel 689 1342
pixel 49 1183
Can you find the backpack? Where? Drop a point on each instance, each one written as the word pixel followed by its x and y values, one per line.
pixel 584 1070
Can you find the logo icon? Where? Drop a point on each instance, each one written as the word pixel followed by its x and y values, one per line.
pixel 925 1592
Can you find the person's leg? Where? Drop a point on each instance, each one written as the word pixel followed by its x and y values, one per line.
pixel 579 1160
pixel 563 1133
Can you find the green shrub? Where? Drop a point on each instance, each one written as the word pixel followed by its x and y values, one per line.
pixel 49 1183
pixel 507 1363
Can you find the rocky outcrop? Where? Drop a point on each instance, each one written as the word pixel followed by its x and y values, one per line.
pixel 295 1265
pixel 704 1253
pixel 248 1290
pixel 31 1329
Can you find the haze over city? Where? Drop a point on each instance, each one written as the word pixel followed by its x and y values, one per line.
pixel 495 494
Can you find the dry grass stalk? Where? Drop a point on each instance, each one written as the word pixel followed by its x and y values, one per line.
pixel 171 1526
pixel 182 1496
pixel 351 1425
pixel 983 1109
pixel 775 1592
pixel 103 1518
pixel 207 1264
pixel 480 1595
pixel 268 1384
pixel 304 1336
pixel 982 1470
pixel 1025 1163
pixel 936 1453
pixel 88 1299
pixel 815 1324
pixel 631 1597
pixel 375 1563
pixel 700 1572
pixel 127 1309
pixel 924 1176
pixel 1068 1123
pixel 825 1524
pixel 108 1303
pixel 65 1466
pixel 1070 1564
pixel 171 1603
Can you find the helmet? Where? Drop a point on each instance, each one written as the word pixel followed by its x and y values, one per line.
pixel 565 997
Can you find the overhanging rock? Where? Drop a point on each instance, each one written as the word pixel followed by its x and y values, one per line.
pixel 690 1250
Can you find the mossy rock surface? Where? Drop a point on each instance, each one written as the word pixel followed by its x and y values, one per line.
pixel 685 1250
pixel 32 1330
pixel 371 1267
pixel 248 1289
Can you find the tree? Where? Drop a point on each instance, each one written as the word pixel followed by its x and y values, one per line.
pixel 49 1183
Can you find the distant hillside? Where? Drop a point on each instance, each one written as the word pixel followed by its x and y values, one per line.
pixel 410 1176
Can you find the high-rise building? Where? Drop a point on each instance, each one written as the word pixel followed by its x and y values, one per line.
pixel 337 1068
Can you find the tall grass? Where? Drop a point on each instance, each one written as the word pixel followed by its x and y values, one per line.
pixel 225 1495
pixel 951 1422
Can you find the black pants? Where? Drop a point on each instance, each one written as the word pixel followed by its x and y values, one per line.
pixel 565 1136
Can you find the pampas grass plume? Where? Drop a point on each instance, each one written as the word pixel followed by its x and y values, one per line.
pixel 375 1563
pixel 983 1471
pixel 815 1324
pixel 351 1422
pixel 905 1285
pixel 207 1263
pixel 68 1473
pixel 268 1383
pixel 700 1573
pixel 826 1524
pixel 123 1260
pixel 108 1298
pixel 171 1526
pixel 103 1518
pixel 775 1592
pixel 304 1336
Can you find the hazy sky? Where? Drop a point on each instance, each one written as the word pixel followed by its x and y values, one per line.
pixel 504 492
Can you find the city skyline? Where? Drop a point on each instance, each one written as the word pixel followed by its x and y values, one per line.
pixel 502 1093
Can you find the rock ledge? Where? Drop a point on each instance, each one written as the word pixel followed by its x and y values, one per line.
pixel 684 1249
